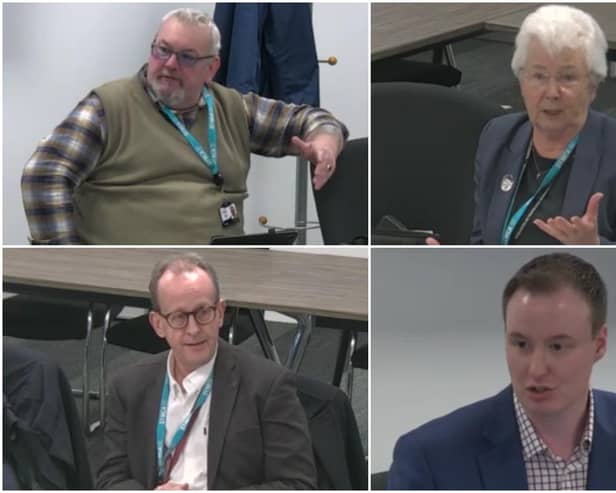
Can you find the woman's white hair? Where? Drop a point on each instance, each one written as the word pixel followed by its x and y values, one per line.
pixel 557 27
pixel 195 17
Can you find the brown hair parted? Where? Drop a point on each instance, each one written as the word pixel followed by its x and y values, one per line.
pixel 548 273
pixel 178 263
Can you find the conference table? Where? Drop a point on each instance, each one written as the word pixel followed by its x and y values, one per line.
pixel 402 29
pixel 293 283
pixel 604 14
pixel 301 285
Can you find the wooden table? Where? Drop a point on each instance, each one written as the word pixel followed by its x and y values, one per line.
pixel 604 14
pixel 288 282
pixel 405 28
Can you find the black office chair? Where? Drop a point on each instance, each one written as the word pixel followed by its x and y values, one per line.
pixel 342 204
pixel 336 442
pixel 424 139
pixel 43 443
pixel 407 70
pixel 47 319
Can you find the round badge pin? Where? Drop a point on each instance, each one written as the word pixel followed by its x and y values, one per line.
pixel 507 183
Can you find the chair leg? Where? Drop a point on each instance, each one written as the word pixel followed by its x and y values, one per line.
pixel 101 378
pixel 349 365
pixel 305 324
pixel 265 340
pixel 85 383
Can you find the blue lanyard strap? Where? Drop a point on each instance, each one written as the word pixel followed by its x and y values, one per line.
pixel 512 221
pixel 164 453
pixel 211 159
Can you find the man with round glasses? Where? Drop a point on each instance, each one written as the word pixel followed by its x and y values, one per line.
pixel 205 415
pixel 163 157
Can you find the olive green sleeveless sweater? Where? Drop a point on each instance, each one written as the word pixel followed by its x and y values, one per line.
pixel 149 186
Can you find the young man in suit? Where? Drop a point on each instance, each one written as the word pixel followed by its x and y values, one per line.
pixel 548 429
pixel 205 414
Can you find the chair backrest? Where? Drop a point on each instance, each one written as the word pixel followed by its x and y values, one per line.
pixel 336 441
pixel 405 70
pixel 37 317
pixel 424 139
pixel 342 204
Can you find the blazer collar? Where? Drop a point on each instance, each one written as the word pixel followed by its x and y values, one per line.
pixel 601 468
pixel 224 394
pixel 151 407
pixel 502 465
pixel 509 169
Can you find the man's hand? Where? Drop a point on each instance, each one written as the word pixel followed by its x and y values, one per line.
pixel 430 240
pixel 578 230
pixel 169 485
pixel 321 149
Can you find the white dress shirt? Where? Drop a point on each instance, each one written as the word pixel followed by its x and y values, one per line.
pixel 191 467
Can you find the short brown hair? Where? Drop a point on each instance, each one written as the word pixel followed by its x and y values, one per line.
pixel 178 263
pixel 549 273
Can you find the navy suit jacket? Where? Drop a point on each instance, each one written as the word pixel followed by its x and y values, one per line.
pixel 478 447
pixel 268 48
pixel 501 151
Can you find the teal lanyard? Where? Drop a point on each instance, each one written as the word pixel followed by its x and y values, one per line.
pixel 512 221
pixel 164 453
pixel 211 160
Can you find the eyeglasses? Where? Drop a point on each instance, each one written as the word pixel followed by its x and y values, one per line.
pixel 178 320
pixel 184 58
pixel 565 80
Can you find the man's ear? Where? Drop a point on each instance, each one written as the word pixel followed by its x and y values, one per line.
pixel 156 321
pixel 212 69
pixel 601 341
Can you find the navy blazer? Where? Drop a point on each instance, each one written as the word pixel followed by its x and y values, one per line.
pixel 478 447
pixel 502 147
pixel 269 49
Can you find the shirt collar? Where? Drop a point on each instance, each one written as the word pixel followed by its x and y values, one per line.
pixel 532 444
pixel 194 381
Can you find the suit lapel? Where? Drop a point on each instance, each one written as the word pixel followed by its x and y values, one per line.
pixel 151 405
pixel 502 465
pixel 224 393
pixel 584 170
pixel 510 165
pixel 601 468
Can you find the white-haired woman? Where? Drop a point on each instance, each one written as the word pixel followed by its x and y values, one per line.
pixel 549 175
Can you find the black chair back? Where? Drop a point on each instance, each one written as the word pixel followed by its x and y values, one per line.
pixel 424 139
pixel 342 204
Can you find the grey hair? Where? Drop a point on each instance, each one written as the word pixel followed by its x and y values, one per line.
pixel 179 263
pixel 195 17
pixel 560 26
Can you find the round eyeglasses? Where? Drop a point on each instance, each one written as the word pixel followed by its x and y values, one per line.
pixel 178 320
pixel 184 58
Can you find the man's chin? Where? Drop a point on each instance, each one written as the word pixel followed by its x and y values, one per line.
pixel 168 98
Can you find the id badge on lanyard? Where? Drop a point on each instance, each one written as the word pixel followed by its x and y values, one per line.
pixel 168 456
pixel 210 160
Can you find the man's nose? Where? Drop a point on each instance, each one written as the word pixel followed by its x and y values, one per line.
pixel 538 364
pixel 192 327
pixel 172 61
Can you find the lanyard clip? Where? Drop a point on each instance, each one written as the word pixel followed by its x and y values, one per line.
pixel 218 180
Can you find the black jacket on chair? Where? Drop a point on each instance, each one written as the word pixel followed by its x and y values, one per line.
pixel 43 441
pixel 338 451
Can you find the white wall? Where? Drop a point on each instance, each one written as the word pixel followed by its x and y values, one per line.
pixel 55 53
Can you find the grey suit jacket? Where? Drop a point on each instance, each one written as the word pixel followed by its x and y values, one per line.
pixel 500 152
pixel 258 433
